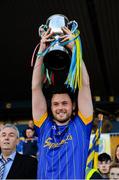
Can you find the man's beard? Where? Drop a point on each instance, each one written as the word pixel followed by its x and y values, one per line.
pixel 62 121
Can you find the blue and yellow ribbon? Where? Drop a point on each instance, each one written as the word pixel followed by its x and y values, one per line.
pixel 74 78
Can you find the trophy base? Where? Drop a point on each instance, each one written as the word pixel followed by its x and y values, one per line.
pixel 57 60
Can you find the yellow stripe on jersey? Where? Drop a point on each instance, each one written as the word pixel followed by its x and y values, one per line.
pixel 22 138
pixel 41 120
pixel 84 119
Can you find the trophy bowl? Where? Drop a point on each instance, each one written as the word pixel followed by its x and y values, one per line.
pixel 58 57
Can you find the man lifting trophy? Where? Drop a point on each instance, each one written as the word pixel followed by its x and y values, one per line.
pixel 63 124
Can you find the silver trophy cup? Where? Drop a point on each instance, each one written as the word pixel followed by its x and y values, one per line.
pixel 58 57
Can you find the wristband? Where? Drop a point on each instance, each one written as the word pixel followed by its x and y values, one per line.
pixel 39 54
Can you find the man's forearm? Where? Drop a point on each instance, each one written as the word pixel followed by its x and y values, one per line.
pixel 37 73
pixel 85 76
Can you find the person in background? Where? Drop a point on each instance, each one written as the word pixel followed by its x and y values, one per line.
pixel 30 143
pixel 1 126
pixel 114 172
pixel 12 164
pixel 63 137
pixel 117 154
pixel 31 126
pixel 106 125
pixel 104 163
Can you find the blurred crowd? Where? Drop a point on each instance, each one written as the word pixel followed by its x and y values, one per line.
pixel 108 166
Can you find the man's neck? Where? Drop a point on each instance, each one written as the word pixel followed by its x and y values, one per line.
pixel 6 154
pixel 105 175
pixel 61 123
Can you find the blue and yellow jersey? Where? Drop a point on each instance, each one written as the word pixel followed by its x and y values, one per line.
pixel 63 150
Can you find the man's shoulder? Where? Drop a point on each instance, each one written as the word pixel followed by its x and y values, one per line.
pixel 44 120
pixel 25 157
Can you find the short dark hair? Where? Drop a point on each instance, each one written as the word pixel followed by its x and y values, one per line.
pixel 63 90
pixel 29 128
pixel 104 157
pixel 114 165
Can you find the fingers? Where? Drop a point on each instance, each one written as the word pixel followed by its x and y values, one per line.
pixel 64 38
pixel 66 30
pixel 68 34
pixel 46 36
pixel 49 35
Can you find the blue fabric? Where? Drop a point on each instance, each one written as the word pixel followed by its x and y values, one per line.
pixel 63 149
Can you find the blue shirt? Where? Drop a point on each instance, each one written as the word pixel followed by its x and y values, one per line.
pixel 63 150
pixel 8 164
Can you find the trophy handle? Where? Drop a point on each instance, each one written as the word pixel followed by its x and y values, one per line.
pixel 73 26
pixel 43 28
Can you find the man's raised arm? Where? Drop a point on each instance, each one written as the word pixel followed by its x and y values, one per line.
pixel 85 105
pixel 39 105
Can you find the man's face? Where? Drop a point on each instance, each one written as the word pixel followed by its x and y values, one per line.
pixel 114 173
pixel 31 124
pixel 61 107
pixel 104 166
pixel 29 133
pixel 117 153
pixel 8 139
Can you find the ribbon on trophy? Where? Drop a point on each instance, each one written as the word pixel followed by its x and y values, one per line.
pixel 74 77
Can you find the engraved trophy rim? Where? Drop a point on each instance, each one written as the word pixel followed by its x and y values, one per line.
pixel 57 25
